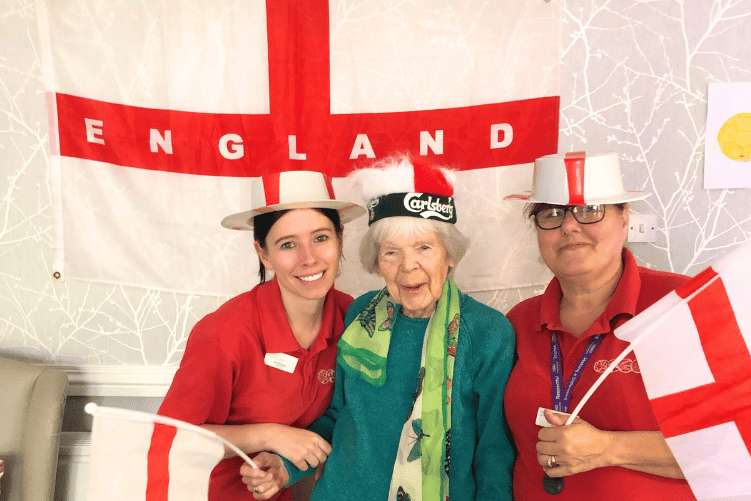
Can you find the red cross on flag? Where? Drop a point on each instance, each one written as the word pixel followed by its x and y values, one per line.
pixel 161 112
pixel 693 348
pixel 137 456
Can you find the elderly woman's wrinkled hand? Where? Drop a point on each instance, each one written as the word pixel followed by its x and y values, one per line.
pixel 266 480
pixel 568 449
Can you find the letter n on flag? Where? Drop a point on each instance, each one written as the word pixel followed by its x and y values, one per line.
pixel 160 113
pixel 693 352
pixel 136 456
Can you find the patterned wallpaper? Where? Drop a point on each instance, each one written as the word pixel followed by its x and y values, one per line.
pixel 634 80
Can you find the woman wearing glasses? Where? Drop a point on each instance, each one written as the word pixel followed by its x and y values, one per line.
pixel 565 340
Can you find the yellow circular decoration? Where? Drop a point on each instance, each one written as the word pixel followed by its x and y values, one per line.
pixel 735 137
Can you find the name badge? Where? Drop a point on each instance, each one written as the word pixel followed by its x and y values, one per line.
pixel 541 421
pixel 281 361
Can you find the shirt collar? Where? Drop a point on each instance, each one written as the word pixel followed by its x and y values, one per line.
pixel 623 301
pixel 276 331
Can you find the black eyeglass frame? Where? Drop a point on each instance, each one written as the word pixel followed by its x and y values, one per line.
pixel 572 209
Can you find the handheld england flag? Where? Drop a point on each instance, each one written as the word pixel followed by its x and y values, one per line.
pixel 693 352
pixel 160 113
pixel 137 456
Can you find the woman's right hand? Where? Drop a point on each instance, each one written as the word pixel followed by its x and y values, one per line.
pixel 266 480
pixel 301 447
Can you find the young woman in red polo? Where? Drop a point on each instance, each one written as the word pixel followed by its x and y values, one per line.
pixel 260 369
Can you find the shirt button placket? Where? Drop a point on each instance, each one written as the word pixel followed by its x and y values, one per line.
pixel 305 372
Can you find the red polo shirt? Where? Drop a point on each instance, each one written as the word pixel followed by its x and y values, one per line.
pixel 620 404
pixel 223 379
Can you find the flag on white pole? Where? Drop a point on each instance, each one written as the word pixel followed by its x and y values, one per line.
pixel 140 456
pixel 161 112
pixel 693 348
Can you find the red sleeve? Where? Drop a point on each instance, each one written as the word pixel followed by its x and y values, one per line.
pixel 201 390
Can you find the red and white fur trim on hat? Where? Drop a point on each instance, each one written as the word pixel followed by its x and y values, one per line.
pixel 401 173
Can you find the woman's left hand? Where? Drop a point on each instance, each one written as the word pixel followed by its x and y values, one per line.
pixel 571 449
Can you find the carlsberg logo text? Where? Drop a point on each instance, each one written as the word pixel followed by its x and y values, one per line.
pixel 414 203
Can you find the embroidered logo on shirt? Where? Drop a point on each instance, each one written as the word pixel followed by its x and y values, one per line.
pixel 627 365
pixel 326 376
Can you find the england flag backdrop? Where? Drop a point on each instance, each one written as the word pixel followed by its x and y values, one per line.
pixel 161 112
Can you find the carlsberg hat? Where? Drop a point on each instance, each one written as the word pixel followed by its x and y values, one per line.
pixel 407 185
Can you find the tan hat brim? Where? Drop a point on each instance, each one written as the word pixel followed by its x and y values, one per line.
pixel 244 220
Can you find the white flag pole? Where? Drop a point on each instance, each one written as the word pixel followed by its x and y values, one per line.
pixel 146 417
pixel 602 377
pixel 648 330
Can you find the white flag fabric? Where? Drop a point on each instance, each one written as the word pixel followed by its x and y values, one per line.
pixel 161 112
pixel 694 352
pixel 137 456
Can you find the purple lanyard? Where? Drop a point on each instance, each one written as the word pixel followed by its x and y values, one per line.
pixel 561 399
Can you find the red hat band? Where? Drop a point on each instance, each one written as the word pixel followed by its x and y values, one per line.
pixel 578 178
pixel 574 162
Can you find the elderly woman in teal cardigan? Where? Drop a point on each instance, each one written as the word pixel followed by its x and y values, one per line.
pixel 417 411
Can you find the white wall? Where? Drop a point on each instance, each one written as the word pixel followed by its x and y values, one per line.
pixel 634 80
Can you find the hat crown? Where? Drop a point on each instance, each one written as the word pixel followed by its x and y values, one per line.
pixel 290 187
pixel 402 173
pixel 579 179
pixel 429 178
pixel 291 190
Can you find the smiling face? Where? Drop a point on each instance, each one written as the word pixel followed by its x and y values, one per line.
pixel 414 268
pixel 589 252
pixel 303 249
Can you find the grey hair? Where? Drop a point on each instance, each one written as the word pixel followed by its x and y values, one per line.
pixel 453 240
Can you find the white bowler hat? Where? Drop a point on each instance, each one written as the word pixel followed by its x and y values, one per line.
pixel 577 178
pixel 300 189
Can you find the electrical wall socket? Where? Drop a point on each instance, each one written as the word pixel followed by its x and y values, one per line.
pixel 642 227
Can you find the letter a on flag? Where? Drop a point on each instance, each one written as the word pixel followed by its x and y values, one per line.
pixel 137 456
pixel 693 352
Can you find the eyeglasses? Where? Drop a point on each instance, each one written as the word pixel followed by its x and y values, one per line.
pixel 551 218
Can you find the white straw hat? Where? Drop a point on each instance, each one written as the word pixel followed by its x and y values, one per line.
pixel 578 179
pixel 291 190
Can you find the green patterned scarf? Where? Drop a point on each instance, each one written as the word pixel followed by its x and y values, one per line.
pixel 422 464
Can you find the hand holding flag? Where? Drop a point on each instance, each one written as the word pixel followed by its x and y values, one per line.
pixel 693 352
pixel 269 478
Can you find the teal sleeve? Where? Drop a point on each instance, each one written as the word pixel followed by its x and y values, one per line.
pixel 493 354
pixel 294 472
